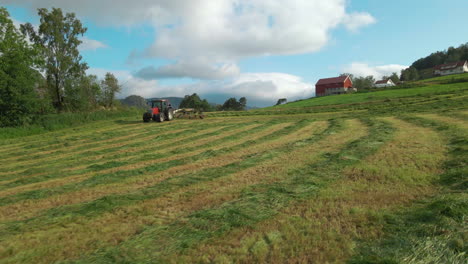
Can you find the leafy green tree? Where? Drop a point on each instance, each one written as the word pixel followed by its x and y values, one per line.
pixel 452 54
pixel 410 74
pixel 58 40
pixel 395 78
pixel 91 89
pixel 194 101
pixel 110 86
pixel 231 104
pixel 19 101
pixel 364 82
pixel 242 103
pixel 282 101
pixel 135 101
pixel 348 74
pixel 82 94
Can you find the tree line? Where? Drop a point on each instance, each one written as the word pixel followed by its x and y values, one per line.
pixel 422 68
pixel 231 104
pixel 367 82
pixel 42 71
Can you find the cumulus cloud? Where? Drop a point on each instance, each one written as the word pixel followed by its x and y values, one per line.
pixel 354 21
pixel 364 69
pixel 91 44
pixel 223 29
pixel 261 89
pixel 190 69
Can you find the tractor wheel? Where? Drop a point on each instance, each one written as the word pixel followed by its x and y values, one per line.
pixel 170 114
pixel 146 117
pixel 159 117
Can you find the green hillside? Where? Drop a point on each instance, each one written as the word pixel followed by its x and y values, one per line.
pixel 442 93
pixel 376 177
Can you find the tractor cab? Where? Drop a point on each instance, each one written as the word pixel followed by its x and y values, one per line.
pixel 159 105
pixel 161 110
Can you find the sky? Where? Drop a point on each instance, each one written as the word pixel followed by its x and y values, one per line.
pixel 259 49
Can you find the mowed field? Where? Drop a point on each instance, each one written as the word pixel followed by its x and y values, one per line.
pixel 295 188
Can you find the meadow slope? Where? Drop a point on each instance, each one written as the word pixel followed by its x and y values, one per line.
pixel 375 177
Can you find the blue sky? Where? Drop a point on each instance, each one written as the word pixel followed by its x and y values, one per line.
pixel 261 49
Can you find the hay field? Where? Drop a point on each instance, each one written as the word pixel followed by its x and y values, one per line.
pixel 275 189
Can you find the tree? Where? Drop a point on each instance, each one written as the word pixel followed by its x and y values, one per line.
pixel 19 101
pixel 410 74
pixel 82 94
pixel 110 86
pixel 58 40
pixel 194 101
pixel 452 54
pixel 91 89
pixel 135 101
pixel 364 82
pixel 395 78
pixel 282 101
pixel 242 103
pixel 231 104
pixel 347 74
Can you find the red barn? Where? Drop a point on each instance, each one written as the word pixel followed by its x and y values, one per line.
pixel 337 85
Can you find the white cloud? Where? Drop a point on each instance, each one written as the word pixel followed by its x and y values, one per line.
pixel 91 44
pixel 354 21
pixel 220 31
pixel 191 69
pixel 261 89
pixel 364 69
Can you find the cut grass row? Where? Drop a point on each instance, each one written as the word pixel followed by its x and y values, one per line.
pixel 219 171
pixel 197 141
pixel 279 196
pixel 98 144
pixel 322 229
pixel 61 136
pixel 434 229
pixel 187 180
pixel 22 209
pixel 147 164
pixel 115 157
pixel 255 203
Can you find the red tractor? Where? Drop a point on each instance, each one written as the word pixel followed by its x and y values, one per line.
pixel 161 110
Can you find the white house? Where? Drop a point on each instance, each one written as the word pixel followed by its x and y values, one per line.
pixel 384 83
pixel 451 68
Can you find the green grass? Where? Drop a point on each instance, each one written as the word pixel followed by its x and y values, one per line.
pixel 433 230
pixel 331 179
pixel 378 96
pixel 55 122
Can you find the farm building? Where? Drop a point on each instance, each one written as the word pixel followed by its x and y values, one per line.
pixel 336 85
pixel 451 68
pixel 384 83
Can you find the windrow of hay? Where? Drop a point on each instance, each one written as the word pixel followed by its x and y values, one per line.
pixel 322 229
pixel 160 152
pixel 22 209
pixel 55 232
pixel 55 156
pixel 446 119
pixel 51 141
pixel 75 133
pixel 96 158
